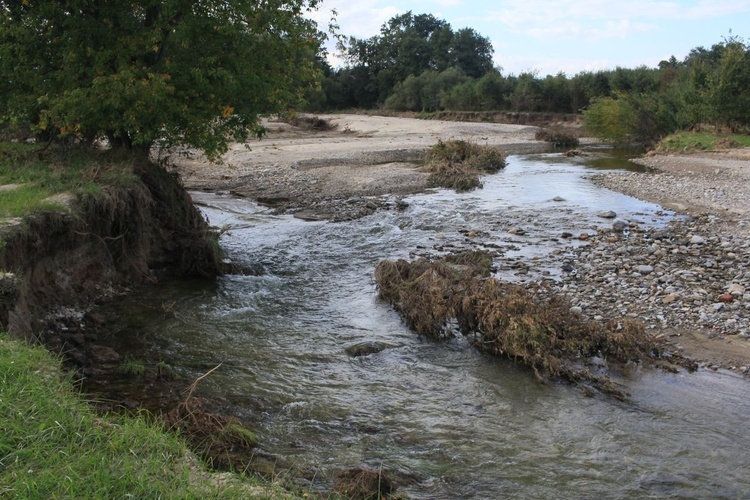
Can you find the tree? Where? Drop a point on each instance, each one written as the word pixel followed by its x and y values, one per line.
pixel 409 45
pixel 171 71
pixel 731 96
pixel 472 53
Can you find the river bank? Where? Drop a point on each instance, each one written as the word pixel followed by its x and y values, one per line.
pixel 367 163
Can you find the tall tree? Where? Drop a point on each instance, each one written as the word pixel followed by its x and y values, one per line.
pixel 409 45
pixel 175 71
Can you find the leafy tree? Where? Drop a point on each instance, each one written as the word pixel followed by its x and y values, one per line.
pixel 462 97
pixel 409 45
pixel 172 71
pixel 527 93
pixel 492 91
pixel 731 86
pixel 611 119
pixel 471 52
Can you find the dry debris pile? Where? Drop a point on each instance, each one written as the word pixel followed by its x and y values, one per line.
pixel 525 323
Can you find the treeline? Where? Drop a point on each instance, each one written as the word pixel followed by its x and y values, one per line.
pixel 418 63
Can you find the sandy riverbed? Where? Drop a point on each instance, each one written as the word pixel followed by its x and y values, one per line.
pixel 363 157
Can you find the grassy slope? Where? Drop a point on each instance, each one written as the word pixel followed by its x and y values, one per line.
pixel 41 174
pixel 687 141
pixel 53 444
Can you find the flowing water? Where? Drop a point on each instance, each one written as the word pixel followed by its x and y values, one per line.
pixel 458 423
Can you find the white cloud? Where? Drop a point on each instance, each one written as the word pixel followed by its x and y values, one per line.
pixel 544 66
pixel 362 19
pixel 598 19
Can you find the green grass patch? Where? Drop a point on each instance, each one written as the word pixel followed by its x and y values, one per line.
pixel 701 141
pixel 24 199
pixel 42 174
pixel 54 445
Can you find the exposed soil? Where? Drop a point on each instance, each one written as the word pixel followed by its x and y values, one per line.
pixel 365 162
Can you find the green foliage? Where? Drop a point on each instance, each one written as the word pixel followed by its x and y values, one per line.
pixel 132 368
pixel 408 46
pixel 53 445
pixel 705 141
pixel 165 371
pixel 611 120
pixel 167 71
pixel 731 97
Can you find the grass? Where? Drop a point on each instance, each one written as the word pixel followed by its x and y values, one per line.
pixel 44 173
pixel 54 445
pixel 701 141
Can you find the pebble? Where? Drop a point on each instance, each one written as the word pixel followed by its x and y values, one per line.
pixel 645 269
pixel 652 275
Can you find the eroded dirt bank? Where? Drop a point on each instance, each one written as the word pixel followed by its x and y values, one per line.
pixel 358 167
pixel 58 265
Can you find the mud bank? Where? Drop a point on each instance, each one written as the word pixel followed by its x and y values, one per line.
pixel 57 265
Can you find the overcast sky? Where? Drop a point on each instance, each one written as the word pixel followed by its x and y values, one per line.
pixel 550 36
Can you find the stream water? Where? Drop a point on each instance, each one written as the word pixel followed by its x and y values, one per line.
pixel 458 423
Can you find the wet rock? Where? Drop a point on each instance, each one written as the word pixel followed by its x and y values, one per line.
pixel 366 348
pixel 609 214
pixel 620 225
pixel 102 355
pixel 558 198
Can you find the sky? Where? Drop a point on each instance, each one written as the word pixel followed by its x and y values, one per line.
pixel 569 36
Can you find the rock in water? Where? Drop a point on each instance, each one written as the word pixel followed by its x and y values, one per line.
pixel 366 348
pixel 620 225
pixel 609 214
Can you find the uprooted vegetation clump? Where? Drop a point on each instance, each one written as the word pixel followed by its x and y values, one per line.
pixel 222 441
pixel 524 323
pixel 457 164
pixel 558 137
pixel 311 122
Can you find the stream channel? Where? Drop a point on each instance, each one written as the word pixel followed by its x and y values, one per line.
pixel 455 422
